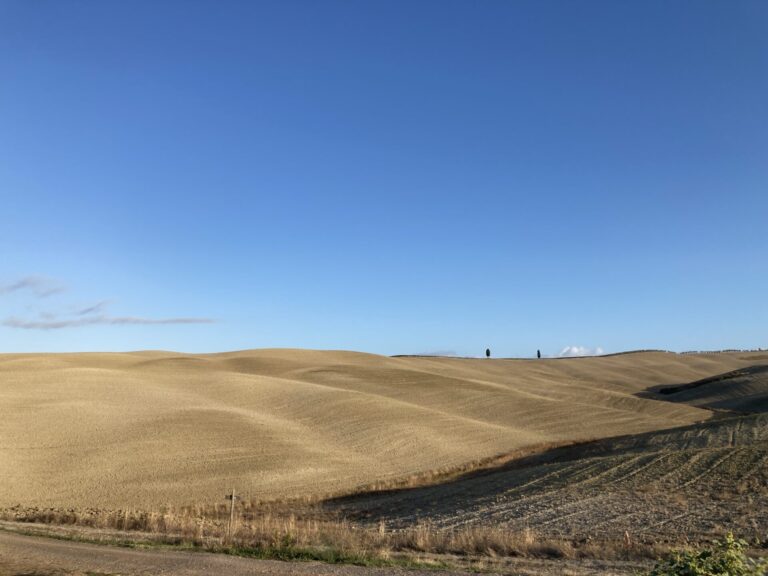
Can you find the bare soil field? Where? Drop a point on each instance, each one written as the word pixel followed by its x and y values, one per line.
pixel 696 481
pixel 579 466
pixel 147 429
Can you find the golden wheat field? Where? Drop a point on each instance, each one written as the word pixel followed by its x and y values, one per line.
pixel 144 429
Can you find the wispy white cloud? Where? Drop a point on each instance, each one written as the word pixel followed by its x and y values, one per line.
pixel 94 314
pixel 93 308
pixel 571 351
pixel 40 286
pixel 13 322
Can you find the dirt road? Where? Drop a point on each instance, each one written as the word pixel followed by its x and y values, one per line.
pixel 22 555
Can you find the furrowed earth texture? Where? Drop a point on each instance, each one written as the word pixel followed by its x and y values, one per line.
pixel 146 429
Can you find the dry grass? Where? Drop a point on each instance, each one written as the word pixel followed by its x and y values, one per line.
pixel 152 428
pixel 312 534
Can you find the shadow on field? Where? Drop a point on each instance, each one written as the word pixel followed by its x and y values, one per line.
pixel 591 483
pixel 742 391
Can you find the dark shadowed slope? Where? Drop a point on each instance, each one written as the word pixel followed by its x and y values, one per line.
pixel 743 390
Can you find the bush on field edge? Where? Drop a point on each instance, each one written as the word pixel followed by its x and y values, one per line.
pixel 725 557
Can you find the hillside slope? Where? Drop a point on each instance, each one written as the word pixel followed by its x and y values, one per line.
pixel 698 480
pixel 148 428
pixel 744 390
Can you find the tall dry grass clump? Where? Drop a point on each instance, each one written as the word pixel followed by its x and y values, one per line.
pixel 307 534
pixel 311 533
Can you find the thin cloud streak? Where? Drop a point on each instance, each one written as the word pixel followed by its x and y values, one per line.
pixel 96 320
pixel 38 285
pixel 92 315
pixel 98 307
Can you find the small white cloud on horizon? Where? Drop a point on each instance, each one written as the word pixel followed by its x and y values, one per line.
pixel 437 353
pixel 573 351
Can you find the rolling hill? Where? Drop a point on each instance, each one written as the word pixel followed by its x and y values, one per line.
pixel 144 429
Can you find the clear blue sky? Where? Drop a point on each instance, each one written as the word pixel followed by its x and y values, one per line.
pixel 392 177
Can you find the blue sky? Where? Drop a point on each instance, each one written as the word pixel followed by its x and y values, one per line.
pixel 391 177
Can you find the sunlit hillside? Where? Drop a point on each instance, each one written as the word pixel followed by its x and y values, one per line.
pixel 148 428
